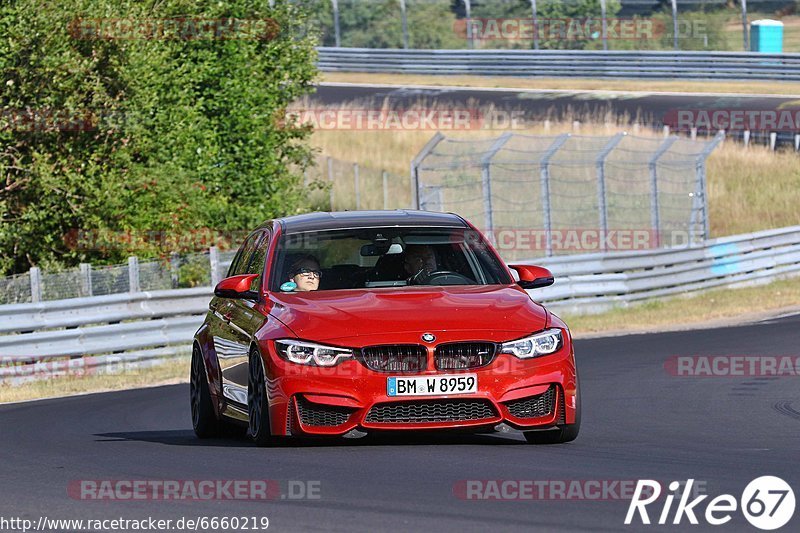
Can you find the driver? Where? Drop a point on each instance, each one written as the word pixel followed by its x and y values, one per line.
pixel 304 275
pixel 419 260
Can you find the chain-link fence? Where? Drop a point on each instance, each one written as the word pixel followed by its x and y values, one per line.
pixel 549 195
pixel 348 186
pixel 174 272
pixel 547 24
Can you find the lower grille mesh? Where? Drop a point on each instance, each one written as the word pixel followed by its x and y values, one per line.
pixel 314 414
pixel 533 406
pixel 431 411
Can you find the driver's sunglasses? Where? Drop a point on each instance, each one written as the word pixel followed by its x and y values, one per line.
pixel 307 272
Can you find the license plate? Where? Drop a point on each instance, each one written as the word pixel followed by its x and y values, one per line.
pixel 427 385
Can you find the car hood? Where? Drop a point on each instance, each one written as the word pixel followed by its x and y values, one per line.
pixel 389 315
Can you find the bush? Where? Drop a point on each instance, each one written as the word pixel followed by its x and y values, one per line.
pixel 147 135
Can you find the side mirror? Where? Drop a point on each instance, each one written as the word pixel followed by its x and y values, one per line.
pixel 533 277
pixel 237 287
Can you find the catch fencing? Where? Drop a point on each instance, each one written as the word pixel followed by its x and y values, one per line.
pixel 552 186
pixel 176 271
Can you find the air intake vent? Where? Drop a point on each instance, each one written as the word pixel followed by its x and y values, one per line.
pixel 464 355
pixel 395 358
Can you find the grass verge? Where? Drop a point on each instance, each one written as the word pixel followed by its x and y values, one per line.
pixel 716 307
pixel 571 84
pixel 171 371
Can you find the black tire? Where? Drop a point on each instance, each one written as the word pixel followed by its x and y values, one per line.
pixel 204 419
pixel 562 433
pixel 257 402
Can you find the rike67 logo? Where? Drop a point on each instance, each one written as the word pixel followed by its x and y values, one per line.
pixel 767 503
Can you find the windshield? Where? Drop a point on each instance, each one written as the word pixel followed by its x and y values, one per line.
pixel 385 257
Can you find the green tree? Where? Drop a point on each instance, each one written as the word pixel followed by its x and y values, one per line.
pixel 185 129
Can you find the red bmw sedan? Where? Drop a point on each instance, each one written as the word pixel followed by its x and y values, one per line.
pixel 342 324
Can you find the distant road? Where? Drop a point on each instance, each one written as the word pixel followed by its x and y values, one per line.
pixel 650 107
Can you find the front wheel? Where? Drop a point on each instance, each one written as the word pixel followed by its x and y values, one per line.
pixel 204 419
pixel 257 402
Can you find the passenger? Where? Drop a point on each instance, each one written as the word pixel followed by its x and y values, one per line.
pixel 304 275
pixel 419 260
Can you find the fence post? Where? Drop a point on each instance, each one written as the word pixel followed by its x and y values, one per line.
pixel 329 162
pixel 655 215
pixel 604 21
pixel 213 259
pixel 385 179
pixel 601 186
pixel 535 25
pixel 86 279
pixel 404 16
pixel 773 140
pixel 133 274
pixel 745 34
pixel 675 24
pixel 427 149
pixel 174 269
pixel 35 276
pixel 700 172
pixel 486 180
pixel 746 138
pixel 797 142
pixel 544 183
pixel 356 185
pixel 336 33
pixel 468 10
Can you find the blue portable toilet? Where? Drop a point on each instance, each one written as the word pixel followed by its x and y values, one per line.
pixel 766 36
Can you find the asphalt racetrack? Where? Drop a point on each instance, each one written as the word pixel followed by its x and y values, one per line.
pixel 640 420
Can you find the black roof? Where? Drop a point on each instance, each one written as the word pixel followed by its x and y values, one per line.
pixel 368 219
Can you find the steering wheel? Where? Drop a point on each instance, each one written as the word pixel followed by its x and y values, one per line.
pixel 444 277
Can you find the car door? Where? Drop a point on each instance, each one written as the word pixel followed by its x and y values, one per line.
pixel 230 344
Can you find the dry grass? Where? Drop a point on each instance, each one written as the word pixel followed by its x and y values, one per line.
pixel 572 84
pixel 749 189
pixel 171 371
pixel 715 307
pixel 752 189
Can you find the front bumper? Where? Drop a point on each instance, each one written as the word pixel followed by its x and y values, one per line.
pixel 523 394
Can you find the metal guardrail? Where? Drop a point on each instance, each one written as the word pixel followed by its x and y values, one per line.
pixel 152 325
pixel 595 282
pixel 565 63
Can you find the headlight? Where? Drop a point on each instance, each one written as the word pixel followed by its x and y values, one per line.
pixel 543 343
pixel 308 353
